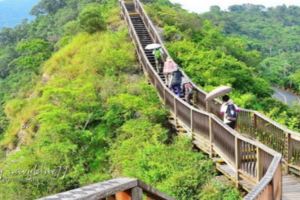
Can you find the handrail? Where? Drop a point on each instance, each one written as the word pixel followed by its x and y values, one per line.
pixel 259 188
pixel 246 156
pixel 131 187
pixel 280 126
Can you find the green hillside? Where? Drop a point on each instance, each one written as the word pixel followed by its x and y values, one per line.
pixel 272 31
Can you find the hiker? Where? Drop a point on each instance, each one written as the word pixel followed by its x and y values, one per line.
pixel 230 111
pixel 187 90
pixel 158 56
pixel 169 67
pixel 176 82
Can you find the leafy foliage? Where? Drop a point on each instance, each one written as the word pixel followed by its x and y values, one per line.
pixel 272 31
pixel 91 20
pixel 217 190
pixel 137 153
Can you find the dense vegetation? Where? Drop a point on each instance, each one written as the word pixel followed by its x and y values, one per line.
pixel 212 58
pixel 75 109
pixel 272 31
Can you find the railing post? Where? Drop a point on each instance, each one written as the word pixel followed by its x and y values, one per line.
pixel 207 106
pixel 136 193
pixel 175 109
pixel 211 137
pixel 254 121
pixel 288 151
pixel 288 147
pixel 192 124
pixel 165 101
pixel 278 178
pixel 237 159
pixel 259 164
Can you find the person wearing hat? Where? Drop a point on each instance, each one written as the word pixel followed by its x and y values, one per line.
pixel 169 67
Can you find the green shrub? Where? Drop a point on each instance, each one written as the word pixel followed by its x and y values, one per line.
pixel 215 190
pixel 91 20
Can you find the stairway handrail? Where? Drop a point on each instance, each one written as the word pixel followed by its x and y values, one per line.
pixel 263 184
pixel 280 126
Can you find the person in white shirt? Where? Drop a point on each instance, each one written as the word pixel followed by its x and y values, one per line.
pixel 229 111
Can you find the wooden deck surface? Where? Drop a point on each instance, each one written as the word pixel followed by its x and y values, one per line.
pixel 290 187
pixel 290 183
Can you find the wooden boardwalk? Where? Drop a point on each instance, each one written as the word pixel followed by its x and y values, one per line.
pixel 290 187
pixel 290 183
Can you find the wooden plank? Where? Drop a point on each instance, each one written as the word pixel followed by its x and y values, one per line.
pixel 290 187
pixel 228 171
pixel 136 193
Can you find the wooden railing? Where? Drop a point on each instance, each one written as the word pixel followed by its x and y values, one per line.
pixel 251 123
pixel 250 160
pixel 115 189
pixel 258 126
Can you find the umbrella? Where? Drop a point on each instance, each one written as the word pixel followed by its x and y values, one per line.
pixel 219 91
pixel 152 46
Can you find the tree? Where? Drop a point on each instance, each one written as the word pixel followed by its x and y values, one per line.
pixel 215 9
pixel 45 7
pixel 237 8
pixel 91 19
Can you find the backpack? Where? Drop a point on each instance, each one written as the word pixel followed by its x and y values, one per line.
pixel 177 77
pixel 231 113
